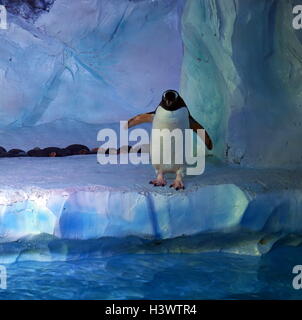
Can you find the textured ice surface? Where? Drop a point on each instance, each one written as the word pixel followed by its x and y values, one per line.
pixel 93 61
pixel 241 76
pixel 75 198
pixel 101 61
pixel 60 133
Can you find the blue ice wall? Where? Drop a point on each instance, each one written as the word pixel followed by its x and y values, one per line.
pixel 95 61
pixel 100 61
pixel 242 78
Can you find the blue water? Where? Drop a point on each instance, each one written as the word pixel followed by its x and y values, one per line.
pixel 160 276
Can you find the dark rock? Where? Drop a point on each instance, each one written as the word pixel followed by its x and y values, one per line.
pixel 76 149
pixel 49 152
pixel 36 152
pixel 28 9
pixel 2 150
pixel 17 153
pixel 55 152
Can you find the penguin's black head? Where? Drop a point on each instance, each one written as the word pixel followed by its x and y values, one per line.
pixel 170 98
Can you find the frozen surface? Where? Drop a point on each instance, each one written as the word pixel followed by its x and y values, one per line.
pixel 241 77
pixel 60 133
pixel 86 57
pixel 75 198
pixel 101 61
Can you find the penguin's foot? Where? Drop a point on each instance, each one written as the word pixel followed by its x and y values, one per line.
pixel 177 185
pixel 158 182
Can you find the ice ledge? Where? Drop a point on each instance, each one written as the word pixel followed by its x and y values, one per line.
pixel 76 198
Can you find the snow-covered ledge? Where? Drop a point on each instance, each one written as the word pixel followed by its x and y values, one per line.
pixel 76 198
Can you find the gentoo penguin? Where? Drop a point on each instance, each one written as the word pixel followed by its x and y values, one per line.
pixel 78 149
pixel 16 153
pixel 49 152
pixel 172 113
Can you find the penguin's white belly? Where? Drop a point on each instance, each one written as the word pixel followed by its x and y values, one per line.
pixel 163 119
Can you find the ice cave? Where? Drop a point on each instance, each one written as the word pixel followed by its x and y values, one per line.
pixel 71 68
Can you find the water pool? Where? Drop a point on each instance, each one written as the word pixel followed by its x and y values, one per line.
pixel 154 276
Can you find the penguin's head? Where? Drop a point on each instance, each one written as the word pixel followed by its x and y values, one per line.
pixel 171 100
pixel 170 97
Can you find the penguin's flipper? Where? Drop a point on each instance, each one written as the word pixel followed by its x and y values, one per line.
pixel 141 118
pixel 194 125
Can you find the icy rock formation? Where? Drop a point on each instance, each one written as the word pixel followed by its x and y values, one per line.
pixel 96 61
pixel 101 61
pixel 28 9
pixel 241 77
pixel 93 203
pixel 88 202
